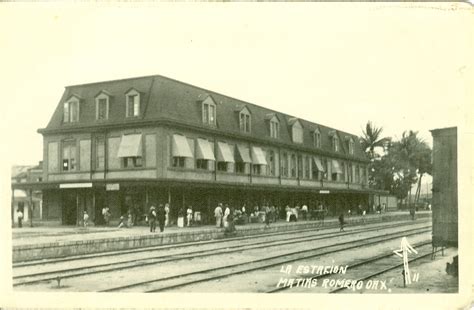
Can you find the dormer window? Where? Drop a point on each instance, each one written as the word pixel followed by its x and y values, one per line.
pixel 71 110
pixel 317 138
pixel 209 111
pixel 296 131
pixel 335 143
pixel 244 120
pixel 102 106
pixel 133 103
pixel 274 128
pixel 351 146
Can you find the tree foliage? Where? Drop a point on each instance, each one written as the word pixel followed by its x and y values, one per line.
pixel 402 163
pixel 371 139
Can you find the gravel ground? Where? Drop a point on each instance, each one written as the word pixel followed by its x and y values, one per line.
pixel 107 280
pixel 267 279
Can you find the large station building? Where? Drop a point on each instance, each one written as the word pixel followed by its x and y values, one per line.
pixel 136 142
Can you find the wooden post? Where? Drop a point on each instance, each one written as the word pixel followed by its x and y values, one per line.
pixel 77 208
pixel 146 197
pixel 169 196
pixel 30 194
pixel 93 206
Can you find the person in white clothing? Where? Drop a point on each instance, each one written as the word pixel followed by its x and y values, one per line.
pixel 218 215
pixel 19 215
pixel 288 213
pixel 189 215
pixel 167 212
pixel 86 219
pixel 226 214
pixel 304 211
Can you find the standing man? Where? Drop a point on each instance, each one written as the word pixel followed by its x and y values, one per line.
pixel 273 211
pixel 341 221
pixel 106 214
pixel 167 214
pixel 161 217
pixel 19 216
pixel 267 215
pixel 288 213
pixel 304 210
pixel 226 214
pixel 189 216
pixel 152 218
pixel 86 219
pixel 218 215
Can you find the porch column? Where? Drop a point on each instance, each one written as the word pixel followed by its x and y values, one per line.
pixel 30 202
pixel 77 209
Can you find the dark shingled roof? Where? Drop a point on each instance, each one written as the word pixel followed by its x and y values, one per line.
pixel 165 98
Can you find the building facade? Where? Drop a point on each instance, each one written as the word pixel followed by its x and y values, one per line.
pixel 128 144
pixel 27 199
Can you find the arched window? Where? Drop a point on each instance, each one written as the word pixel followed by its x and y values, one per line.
pixel 351 146
pixel 296 131
pixel 71 110
pixel 209 111
pixel 293 166
pixel 317 138
pixel 102 106
pixel 274 128
pixel 245 120
pixel 133 103
pixel 271 162
pixel 284 165
pixel 335 143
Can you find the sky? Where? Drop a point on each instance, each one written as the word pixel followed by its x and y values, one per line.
pixel 341 65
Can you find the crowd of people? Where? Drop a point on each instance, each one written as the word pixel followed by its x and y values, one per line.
pixel 227 216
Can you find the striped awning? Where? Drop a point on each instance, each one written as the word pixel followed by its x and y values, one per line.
pixel 258 156
pixel 180 147
pixel 130 146
pixel 335 167
pixel 318 164
pixel 204 150
pixel 224 153
pixel 243 154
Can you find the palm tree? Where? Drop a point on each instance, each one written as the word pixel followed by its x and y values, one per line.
pixel 415 155
pixel 372 139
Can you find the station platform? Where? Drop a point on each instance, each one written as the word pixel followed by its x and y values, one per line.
pixel 43 242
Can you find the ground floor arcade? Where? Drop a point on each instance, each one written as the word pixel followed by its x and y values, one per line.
pixel 67 204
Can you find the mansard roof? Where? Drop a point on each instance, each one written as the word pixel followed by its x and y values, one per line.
pixel 162 98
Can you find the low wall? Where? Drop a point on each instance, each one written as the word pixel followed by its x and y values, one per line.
pixel 70 248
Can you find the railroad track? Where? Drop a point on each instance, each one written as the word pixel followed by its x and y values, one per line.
pixel 368 275
pixel 42 262
pixel 58 275
pixel 378 262
pixel 204 275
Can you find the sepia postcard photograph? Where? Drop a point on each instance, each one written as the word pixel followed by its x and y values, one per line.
pixel 237 156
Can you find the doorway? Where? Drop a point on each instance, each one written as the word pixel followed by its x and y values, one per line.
pixel 69 207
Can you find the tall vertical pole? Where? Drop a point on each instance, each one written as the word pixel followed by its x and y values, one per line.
pixel 93 205
pixel 13 206
pixel 169 195
pixel 30 195
pixel 77 208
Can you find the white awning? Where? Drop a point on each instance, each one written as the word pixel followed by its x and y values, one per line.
pixel 223 153
pixel 258 156
pixel 204 150
pixel 335 167
pixel 180 147
pixel 243 154
pixel 130 146
pixel 318 164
